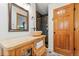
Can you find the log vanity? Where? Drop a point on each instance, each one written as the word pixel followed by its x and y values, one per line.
pixel 23 45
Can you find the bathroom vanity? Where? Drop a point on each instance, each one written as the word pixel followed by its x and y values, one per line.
pixel 23 46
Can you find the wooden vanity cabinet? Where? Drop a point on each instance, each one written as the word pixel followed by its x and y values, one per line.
pixel 25 47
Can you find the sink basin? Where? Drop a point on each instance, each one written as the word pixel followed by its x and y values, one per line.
pixel 37 33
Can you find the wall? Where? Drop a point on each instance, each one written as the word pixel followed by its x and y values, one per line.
pixel 4 21
pixel 32 13
pixel 51 24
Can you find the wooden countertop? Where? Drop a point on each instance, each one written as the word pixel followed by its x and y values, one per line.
pixel 9 43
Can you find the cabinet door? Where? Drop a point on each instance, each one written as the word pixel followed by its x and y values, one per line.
pixel 18 51
pixel 76 29
pixel 11 52
pixel 63 30
pixel 25 50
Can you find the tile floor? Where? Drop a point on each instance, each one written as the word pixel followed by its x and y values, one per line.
pixel 51 53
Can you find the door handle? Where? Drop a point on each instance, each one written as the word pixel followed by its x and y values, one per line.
pixel 54 32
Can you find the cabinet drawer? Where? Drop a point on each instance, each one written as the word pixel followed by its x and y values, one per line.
pixel 39 43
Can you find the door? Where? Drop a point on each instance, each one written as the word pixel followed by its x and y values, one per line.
pixel 63 30
pixel 76 29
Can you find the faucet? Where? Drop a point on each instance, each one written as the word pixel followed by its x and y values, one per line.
pixel 34 29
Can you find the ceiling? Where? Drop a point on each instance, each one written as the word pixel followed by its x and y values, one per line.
pixel 42 8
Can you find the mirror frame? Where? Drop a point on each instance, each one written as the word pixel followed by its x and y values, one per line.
pixel 10 13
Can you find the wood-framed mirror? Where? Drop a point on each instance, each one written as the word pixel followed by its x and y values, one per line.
pixel 18 18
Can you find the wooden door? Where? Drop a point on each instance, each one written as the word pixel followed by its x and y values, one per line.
pixel 63 29
pixel 76 29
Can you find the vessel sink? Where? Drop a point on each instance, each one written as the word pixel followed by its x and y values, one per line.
pixel 37 33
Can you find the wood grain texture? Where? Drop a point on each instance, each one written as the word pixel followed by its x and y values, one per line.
pixel 77 29
pixel 63 30
pixel 20 49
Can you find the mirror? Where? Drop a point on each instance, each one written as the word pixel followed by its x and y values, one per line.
pixel 18 18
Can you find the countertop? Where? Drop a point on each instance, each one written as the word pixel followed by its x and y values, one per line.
pixel 12 42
